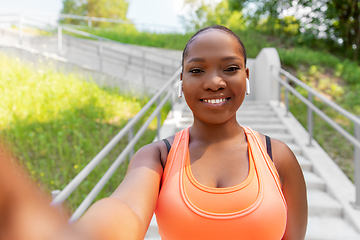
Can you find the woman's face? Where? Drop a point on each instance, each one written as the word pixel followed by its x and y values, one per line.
pixel 214 76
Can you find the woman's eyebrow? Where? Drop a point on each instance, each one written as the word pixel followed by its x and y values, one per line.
pixel 229 58
pixel 196 60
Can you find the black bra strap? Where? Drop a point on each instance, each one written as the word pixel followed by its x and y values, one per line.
pixel 168 146
pixel 268 146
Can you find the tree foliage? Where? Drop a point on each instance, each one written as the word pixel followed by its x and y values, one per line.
pixel 210 14
pixel 115 9
pixel 330 24
pixel 345 24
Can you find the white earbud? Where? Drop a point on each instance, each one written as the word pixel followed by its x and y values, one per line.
pixel 247 92
pixel 180 90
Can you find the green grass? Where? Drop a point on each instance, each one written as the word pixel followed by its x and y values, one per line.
pixel 338 148
pixel 302 56
pixel 128 34
pixel 56 123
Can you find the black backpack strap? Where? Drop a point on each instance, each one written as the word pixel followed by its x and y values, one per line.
pixel 268 146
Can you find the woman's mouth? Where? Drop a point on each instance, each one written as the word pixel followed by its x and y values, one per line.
pixel 214 101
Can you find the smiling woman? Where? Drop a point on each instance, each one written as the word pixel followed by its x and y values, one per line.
pixel 215 179
pixel 218 70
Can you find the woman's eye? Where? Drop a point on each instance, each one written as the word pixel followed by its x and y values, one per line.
pixel 195 70
pixel 231 69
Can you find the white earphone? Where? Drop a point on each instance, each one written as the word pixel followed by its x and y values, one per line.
pixel 180 90
pixel 247 92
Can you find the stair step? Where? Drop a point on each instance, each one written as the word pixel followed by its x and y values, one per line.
pixel 322 204
pixel 295 148
pixel 255 103
pixel 314 182
pixel 258 120
pixel 284 137
pixel 186 121
pixel 254 113
pixel 273 128
pixel 330 228
pixel 152 232
pixel 255 107
pixel 305 164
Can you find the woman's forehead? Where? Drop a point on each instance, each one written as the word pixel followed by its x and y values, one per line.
pixel 212 39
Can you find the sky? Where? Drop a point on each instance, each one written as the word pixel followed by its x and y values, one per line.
pixel 164 12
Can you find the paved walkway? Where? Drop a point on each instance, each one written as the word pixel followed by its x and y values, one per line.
pixel 330 193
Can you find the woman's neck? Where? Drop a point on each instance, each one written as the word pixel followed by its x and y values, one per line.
pixel 215 133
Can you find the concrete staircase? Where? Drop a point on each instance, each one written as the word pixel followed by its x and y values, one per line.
pixel 330 218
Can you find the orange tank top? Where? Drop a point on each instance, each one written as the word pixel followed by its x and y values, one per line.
pixel 252 210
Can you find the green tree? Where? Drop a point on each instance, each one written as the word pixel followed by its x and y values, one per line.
pixel 115 9
pixel 213 14
pixel 334 24
pixel 344 23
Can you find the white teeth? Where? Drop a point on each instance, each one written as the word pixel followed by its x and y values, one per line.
pixel 214 101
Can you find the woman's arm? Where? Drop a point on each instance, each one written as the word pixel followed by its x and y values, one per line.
pixel 25 213
pixel 294 190
pixel 127 213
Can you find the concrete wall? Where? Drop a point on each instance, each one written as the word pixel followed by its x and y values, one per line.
pixel 263 86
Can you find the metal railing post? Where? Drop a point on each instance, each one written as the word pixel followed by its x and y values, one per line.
pixel 20 28
pixel 54 193
pixel 89 22
pixel 310 119
pixel 59 39
pixel 287 98
pixel 357 164
pixel 100 52
pixel 279 96
pixel 158 119
pixel 143 68
pixel 130 137
pixel 172 101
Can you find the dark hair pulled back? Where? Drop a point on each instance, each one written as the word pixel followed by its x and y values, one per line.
pixel 217 27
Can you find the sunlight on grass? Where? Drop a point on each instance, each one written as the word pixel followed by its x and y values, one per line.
pixel 56 123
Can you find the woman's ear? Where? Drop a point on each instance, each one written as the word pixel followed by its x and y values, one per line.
pixel 181 76
pixel 247 73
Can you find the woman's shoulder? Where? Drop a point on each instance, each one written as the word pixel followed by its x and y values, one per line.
pixel 159 148
pixel 283 157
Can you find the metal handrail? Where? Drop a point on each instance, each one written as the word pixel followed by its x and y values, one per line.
pixel 65 193
pixel 172 28
pixel 98 19
pixel 354 139
pixel 330 103
pixel 86 34
pixel 23 16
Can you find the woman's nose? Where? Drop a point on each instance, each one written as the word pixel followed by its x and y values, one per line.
pixel 214 82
